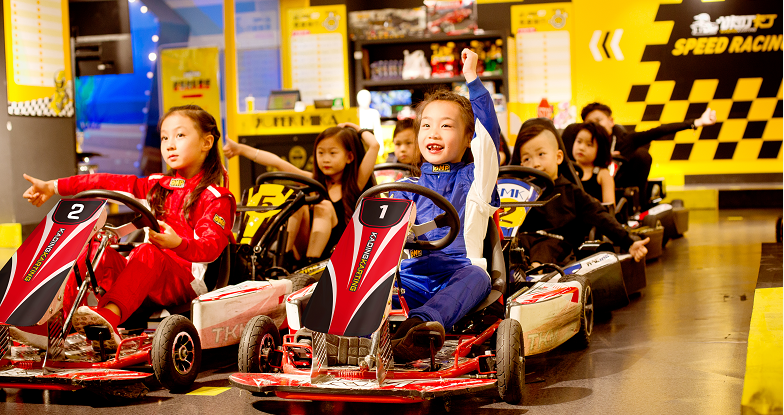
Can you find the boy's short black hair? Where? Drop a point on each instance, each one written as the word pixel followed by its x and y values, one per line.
pixel 402 125
pixel 599 135
pixel 593 107
pixel 530 129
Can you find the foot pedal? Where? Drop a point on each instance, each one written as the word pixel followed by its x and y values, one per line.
pixel 98 334
pixel 428 339
pixel 424 338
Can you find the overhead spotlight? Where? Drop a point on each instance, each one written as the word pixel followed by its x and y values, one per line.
pixel 144 9
pixel 155 38
pixel 152 56
pixel 149 75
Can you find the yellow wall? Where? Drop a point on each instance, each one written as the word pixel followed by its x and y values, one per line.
pixel 611 82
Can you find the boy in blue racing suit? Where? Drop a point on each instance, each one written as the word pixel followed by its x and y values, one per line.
pixel 442 286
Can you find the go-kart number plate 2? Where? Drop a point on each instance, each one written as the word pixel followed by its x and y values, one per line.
pixel 31 279
pixel 74 212
pixel 352 294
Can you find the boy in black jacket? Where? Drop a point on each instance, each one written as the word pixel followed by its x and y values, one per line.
pixel 550 233
pixel 633 146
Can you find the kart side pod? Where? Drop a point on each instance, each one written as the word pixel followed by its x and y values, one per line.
pixel 604 271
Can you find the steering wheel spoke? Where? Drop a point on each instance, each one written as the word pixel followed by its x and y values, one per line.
pixel 145 218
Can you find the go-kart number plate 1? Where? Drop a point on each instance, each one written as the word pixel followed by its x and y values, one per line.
pixel 511 190
pixel 31 279
pixel 352 294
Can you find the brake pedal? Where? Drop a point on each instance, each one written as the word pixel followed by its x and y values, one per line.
pixel 98 334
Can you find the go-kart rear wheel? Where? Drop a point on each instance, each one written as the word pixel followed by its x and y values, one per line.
pixel 300 281
pixel 510 362
pixel 259 338
pixel 582 338
pixel 176 353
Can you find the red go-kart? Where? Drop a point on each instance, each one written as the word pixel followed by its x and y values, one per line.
pixel 353 301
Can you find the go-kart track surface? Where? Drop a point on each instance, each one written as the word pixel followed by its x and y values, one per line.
pixel 678 348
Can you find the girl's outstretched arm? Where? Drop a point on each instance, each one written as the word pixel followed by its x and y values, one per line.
pixel 369 161
pixel 262 157
pixel 608 186
pixel 39 192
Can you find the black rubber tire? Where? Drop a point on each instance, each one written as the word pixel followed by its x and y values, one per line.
pixel 300 281
pixel 509 361
pixel 582 338
pixel 176 353
pixel 259 337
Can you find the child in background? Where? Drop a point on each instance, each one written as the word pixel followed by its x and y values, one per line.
pixel 551 232
pixel 195 216
pixel 342 174
pixel 404 140
pixel 443 286
pixel 591 151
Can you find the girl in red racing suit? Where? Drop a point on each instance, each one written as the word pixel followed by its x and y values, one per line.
pixel 195 216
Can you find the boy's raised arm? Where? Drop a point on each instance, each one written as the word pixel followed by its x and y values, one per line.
pixel 481 102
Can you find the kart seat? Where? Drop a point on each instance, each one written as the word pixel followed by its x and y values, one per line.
pixel 217 274
pixel 496 266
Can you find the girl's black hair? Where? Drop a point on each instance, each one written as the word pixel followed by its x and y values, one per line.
pixel 602 140
pixel 212 166
pixel 350 141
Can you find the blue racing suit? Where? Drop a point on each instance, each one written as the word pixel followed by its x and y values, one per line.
pixel 445 285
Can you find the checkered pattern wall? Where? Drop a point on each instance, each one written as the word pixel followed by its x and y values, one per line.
pixel 749 118
pixel 41 107
pixel 744 86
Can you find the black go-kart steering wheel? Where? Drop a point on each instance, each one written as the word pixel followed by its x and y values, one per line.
pixel 448 218
pixel 410 168
pixel 304 184
pixel 538 177
pixel 145 218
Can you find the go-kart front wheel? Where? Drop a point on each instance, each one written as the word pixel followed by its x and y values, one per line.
pixel 582 338
pixel 259 338
pixel 510 361
pixel 176 353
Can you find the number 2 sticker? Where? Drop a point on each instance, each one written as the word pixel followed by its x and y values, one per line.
pixel 76 209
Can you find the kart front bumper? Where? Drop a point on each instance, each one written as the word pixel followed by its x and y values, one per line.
pixel 113 382
pixel 333 388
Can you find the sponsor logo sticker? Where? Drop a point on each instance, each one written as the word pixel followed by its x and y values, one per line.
pixel 44 255
pixel 361 268
pixel 179 183
pixel 219 220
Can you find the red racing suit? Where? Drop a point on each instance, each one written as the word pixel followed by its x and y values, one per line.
pixel 164 277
